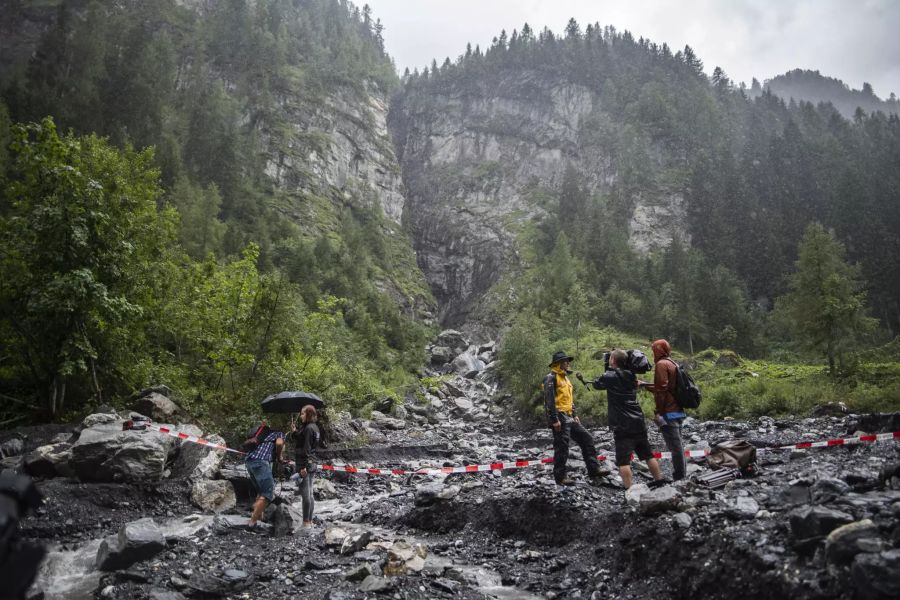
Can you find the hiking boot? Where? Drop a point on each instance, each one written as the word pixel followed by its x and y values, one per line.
pixel 658 483
pixel 567 481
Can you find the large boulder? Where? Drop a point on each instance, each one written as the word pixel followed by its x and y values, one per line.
pixel 453 339
pixel 441 355
pixel 213 495
pixel 432 493
pixel 51 460
pixel 815 522
pixel 467 364
pixel 382 421
pixel 404 558
pixel 195 461
pixel 159 408
pixel 104 452
pixel 847 541
pixel 877 576
pixel 136 541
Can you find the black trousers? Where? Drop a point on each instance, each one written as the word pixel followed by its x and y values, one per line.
pixel 570 431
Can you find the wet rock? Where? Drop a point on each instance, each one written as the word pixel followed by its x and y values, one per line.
pixel 136 541
pixel 159 408
pixel 847 541
pixel 376 584
pixel 432 493
pixel 335 536
pixel 877 576
pixel 634 493
pixel 659 500
pixel 231 581
pixel 104 452
pixel 382 421
pixel 196 462
pixel 160 594
pixel 324 489
pixel 462 405
pixel 682 520
pixel 51 460
pixel 284 518
pixel 815 522
pixel 794 494
pixel 742 508
pixel 213 495
pixel 404 558
pixel 355 543
pixel 828 489
pixel 359 572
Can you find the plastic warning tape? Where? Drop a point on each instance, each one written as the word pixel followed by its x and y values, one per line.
pixel 191 438
pixel 521 464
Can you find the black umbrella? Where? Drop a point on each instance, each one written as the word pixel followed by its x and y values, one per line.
pixel 290 402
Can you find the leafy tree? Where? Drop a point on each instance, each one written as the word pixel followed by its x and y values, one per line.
pixel 82 237
pixel 826 301
pixel 523 358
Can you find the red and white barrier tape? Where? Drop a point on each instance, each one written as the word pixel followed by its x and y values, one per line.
pixel 191 438
pixel 521 464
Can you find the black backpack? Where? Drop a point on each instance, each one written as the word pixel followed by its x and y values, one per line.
pixel 686 392
pixel 255 436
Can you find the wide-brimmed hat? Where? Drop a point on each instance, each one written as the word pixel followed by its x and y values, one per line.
pixel 560 356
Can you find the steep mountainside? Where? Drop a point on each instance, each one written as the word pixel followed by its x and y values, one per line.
pixel 655 151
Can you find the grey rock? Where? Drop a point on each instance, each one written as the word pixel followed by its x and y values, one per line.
pixel 453 339
pixel 324 489
pixel 828 489
pixel 742 508
pixel 376 584
pixel 106 453
pixel 467 364
pixel 51 460
pixel 359 572
pixel 816 521
pixel 195 461
pixel 382 421
pixel 136 541
pixel 441 355
pixel 842 544
pixel 12 447
pixel 160 594
pixel 284 518
pixel 877 576
pixel 660 500
pixel 159 408
pixel 432 493
pixel 355 543
pixel 682 520
pixel 213 495
pixel 99 419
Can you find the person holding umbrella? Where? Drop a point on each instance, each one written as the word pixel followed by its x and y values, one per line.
pixel 306 440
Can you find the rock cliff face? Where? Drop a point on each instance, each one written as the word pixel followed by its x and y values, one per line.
pixel 338 148
pixel 472 159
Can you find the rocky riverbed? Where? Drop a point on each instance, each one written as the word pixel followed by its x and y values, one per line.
pixel 139 515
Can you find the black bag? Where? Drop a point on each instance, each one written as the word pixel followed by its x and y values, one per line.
pixel 686 392
pixel 255 436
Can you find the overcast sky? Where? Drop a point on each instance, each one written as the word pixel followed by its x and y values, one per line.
pixel 852 40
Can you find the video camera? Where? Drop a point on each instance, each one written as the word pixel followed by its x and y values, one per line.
pixel 19 560
pixel 636 362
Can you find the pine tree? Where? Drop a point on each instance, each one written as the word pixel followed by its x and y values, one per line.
pixel 827 303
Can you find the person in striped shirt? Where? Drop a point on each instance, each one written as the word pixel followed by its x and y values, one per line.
pixel 259 466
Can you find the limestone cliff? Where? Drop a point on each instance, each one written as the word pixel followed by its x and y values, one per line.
pixel 472 157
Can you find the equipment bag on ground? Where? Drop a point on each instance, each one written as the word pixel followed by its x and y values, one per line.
pixel 733 454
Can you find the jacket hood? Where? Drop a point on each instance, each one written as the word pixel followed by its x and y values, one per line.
pixel 661 349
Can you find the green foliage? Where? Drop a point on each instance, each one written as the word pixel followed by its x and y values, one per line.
pixel 82 242
pixel 826 303
pixel 524 355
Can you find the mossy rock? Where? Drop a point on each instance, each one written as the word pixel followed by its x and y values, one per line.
pixel 728 360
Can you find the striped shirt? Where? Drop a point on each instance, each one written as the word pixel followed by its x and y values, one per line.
pixel 265 448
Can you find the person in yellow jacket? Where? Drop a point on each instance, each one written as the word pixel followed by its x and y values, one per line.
pixel 560 409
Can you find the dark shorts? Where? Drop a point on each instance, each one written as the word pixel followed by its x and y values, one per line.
pixel 260 473
pixel 628 443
